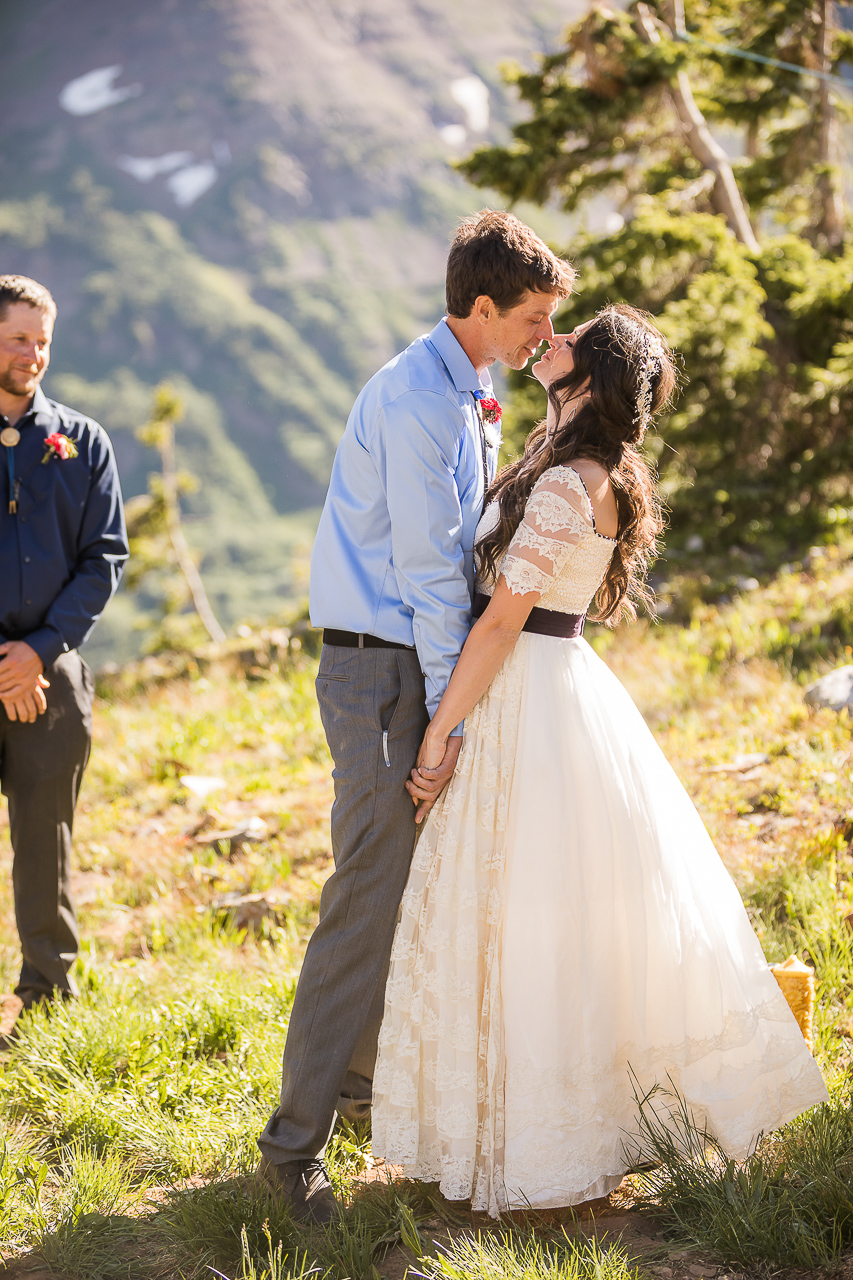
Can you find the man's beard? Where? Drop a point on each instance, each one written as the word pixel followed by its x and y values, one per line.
pixel 20 384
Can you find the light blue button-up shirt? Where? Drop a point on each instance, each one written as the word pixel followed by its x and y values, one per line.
pixel 394 552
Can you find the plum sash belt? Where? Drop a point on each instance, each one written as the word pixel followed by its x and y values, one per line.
pixel 543 622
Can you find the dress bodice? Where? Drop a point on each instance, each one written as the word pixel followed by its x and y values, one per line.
pixel 555 549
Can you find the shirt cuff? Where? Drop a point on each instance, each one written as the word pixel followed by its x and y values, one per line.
pixel 48 644
pixel 458 731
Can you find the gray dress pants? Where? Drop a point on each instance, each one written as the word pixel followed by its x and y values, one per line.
pixel 41 767
pixel 372 705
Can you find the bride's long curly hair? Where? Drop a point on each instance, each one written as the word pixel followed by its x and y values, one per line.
pixel 624 363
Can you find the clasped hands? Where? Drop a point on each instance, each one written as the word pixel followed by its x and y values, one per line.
pixel 436 761
pixel 22 683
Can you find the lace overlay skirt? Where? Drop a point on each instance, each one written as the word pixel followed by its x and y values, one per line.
pixel 567 922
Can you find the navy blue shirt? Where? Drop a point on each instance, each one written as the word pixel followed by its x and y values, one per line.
pixel 62 554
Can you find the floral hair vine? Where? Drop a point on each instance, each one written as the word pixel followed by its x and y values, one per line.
pixel 651 364
pixel 652 355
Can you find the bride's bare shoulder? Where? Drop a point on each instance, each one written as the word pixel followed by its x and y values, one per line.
pixel 594 475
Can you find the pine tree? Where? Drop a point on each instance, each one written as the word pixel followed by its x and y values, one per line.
pixel 726 174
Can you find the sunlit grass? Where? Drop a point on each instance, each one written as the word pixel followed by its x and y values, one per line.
pixel 505 1257
pixel 131 1116
pixel 790 1203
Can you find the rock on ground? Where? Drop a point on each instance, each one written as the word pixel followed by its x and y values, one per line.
pixel 834 690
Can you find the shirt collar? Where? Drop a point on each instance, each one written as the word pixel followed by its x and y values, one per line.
pixel 462 373
pixel 39 413
pixel 40 410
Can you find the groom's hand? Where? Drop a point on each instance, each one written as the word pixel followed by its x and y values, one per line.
pixel 426 785
pixel 20 668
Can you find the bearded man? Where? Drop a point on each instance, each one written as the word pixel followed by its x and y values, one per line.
pixel 63 546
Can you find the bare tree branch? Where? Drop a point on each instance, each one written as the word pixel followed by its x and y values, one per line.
pixel 831 223
pixel 176 534
pixel 725 194
pixel 688 196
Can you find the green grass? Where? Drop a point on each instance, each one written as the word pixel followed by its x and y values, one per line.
pixel 790 1203
pixel 130 1117
pixel 505 1257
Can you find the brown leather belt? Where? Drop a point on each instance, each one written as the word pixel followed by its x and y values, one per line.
pixel 542 622
pixel 359 640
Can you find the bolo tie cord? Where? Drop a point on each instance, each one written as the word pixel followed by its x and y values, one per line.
pixel 483 449
pixel 14 484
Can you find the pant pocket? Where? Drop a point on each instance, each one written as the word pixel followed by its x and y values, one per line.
pixel 388 710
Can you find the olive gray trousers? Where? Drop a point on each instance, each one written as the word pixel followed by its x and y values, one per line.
pixel 41 768
pixel 372 704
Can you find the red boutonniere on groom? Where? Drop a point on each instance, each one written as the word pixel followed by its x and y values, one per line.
pixel 490 413
pixel 490 409
pixel 58 446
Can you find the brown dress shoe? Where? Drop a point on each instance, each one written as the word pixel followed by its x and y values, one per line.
pixel 11 1008
pixel 305 1186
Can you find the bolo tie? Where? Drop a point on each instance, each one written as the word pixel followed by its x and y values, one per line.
pixel 9 437
pixel 478 396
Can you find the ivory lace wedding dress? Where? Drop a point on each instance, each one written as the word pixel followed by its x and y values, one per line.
pixel 568 918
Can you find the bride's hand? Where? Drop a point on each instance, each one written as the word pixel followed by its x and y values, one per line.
pixel 428 779
pixel 432 751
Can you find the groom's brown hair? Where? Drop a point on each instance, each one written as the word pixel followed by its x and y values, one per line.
pixel 22 289
pixel 496 255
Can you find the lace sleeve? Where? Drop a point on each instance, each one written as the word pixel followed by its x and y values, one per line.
pixel 557 516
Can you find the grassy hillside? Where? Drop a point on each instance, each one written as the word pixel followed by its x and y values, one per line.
pixel 130 1117
pixel 324 133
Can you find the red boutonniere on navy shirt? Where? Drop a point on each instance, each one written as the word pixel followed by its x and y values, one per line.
pixel 59 446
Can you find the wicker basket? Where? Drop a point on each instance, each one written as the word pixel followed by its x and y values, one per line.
pixel 797 982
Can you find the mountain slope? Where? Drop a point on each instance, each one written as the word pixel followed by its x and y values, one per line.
pixel 252 198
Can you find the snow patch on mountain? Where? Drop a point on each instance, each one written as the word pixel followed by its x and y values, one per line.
pixel 95 90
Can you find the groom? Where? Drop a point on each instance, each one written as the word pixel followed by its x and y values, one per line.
pixel 391 582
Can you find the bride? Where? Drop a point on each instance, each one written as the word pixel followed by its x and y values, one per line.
pixel 567 922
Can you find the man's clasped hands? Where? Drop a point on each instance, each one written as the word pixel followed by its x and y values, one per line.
pixel 22 683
